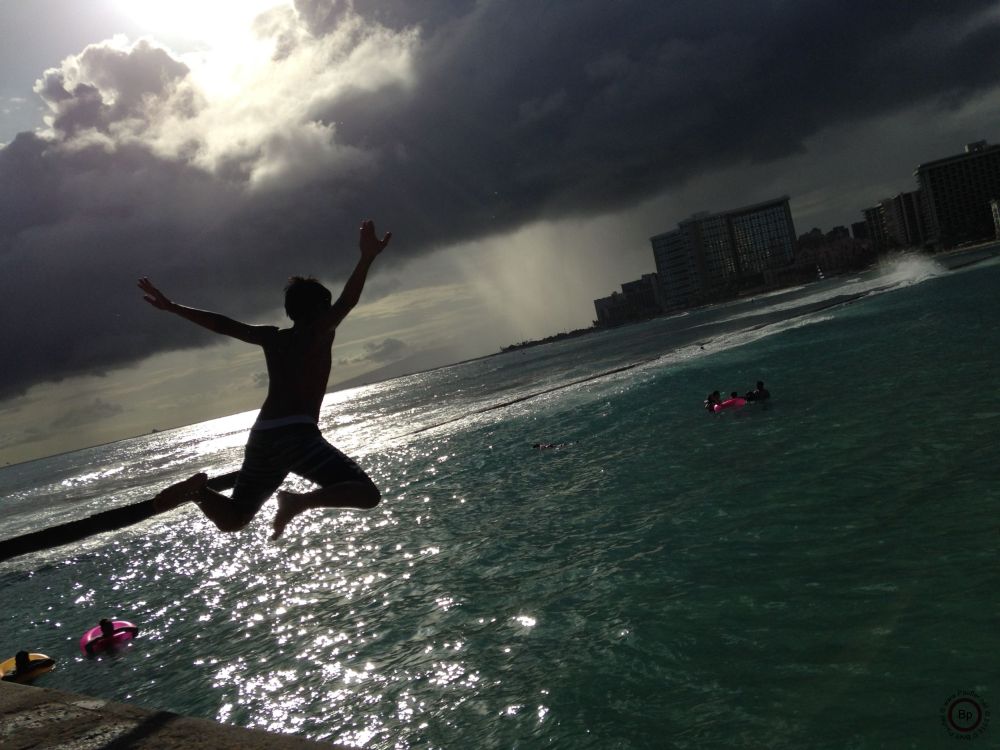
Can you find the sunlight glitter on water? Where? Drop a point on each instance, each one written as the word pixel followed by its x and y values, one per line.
pixel 603 594
pixel 91 477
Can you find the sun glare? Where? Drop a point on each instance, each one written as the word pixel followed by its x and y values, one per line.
pixel 215 23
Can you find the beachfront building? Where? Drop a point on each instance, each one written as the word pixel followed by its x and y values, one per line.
pixel 713 255
pixel 611 311
pixel 875 224
pixel 638 300
pixel 903 221
pixel 645 294
pixel 859 230
pixel 957 192
pixel 995 206
pixel 680 277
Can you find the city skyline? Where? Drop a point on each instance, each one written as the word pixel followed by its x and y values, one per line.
pixel 521 158
pixel 712 255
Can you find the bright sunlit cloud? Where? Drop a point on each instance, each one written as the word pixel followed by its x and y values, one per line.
pixel 217 23
pixel 249 94
pixel 227 51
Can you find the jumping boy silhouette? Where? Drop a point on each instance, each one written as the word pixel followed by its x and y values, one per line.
pixel 286 436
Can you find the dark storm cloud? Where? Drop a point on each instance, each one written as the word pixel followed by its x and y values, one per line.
pixel 511 112
pixel 593 104
pixel 87 414
pixel 380 352
pixel 385 350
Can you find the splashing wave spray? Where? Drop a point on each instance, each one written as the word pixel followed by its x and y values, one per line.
pixel 909 268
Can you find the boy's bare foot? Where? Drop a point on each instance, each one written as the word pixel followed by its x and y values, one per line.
pixel 289 506
pixel 180 493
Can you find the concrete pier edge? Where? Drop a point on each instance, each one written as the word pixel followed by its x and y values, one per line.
pixel 38 718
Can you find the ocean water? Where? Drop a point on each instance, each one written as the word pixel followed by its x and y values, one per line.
pixel 819 571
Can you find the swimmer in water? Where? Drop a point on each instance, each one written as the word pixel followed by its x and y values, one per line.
pixel 24 665
pixel 713 398
pixel 760 394
pixel 107 636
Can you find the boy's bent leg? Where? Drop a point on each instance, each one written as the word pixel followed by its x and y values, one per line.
pixel 352 494
pixel 219 509
pixel 342 483
pixel 222 511
pixel 177 494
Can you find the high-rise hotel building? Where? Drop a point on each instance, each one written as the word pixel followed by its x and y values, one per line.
pixel 711 255
pixel 956 192
pixel 897 222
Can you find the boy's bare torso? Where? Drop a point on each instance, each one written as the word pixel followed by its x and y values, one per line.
pixel 298 369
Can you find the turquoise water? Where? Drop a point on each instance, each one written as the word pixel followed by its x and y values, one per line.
pixel 819 572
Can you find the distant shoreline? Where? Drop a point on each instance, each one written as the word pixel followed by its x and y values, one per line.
pixel 993 246
pixel 549 339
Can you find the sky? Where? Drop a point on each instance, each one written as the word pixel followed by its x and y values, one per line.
pixel 521 153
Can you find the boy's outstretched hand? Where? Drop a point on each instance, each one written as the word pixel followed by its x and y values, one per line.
pixel 154 296
pixel 370 245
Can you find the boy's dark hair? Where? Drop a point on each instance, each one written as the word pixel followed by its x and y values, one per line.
pixel 305 298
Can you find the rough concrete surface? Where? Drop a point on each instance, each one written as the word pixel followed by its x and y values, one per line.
pixel 43 719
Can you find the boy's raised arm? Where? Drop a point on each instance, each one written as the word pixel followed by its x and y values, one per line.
pixel 206 319
pixel 370 247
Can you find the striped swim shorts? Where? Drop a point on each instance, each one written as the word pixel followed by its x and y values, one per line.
pixel 301 449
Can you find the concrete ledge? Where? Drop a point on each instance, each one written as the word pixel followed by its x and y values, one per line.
pixel 43 719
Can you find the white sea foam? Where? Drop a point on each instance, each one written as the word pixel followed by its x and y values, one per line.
pixel 906 268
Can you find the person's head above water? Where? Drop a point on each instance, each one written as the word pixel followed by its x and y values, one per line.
pixel 107 627
pixel 760 385
pixel 305 298
pixel 22 661
pixel 734 394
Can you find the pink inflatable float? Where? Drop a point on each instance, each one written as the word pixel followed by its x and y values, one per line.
pixel 108 634
pixel 730 403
